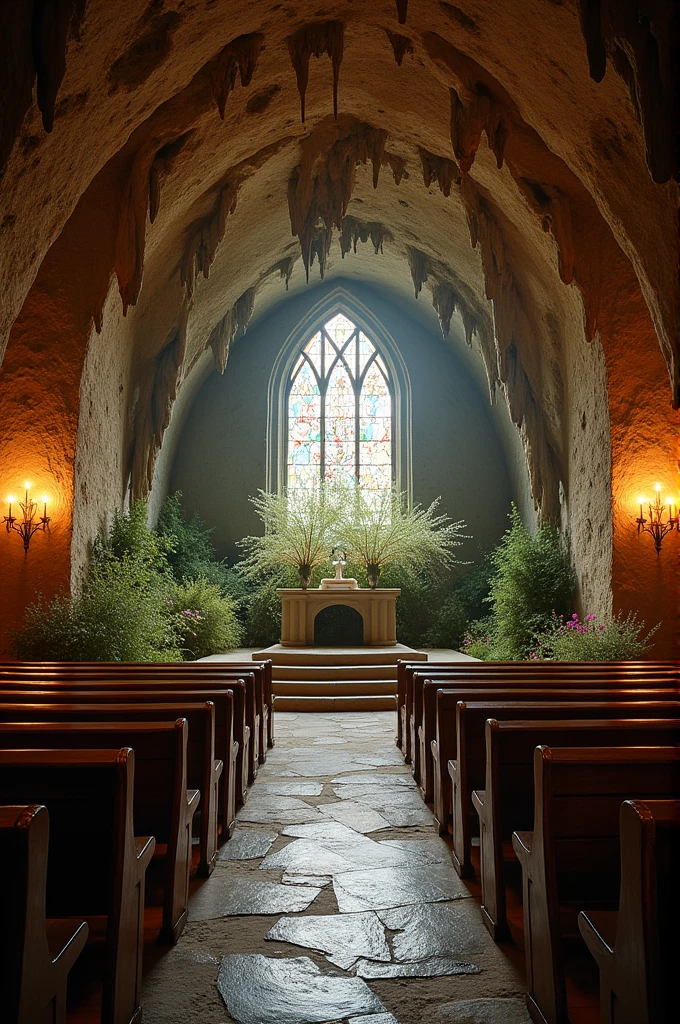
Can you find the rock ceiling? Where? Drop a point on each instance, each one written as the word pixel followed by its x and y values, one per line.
pixel 498 157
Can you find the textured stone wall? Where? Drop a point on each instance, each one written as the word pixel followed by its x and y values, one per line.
pixel 167 170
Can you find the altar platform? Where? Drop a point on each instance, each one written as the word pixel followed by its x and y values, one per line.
pixel 337 678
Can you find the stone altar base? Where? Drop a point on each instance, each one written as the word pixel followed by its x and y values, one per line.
pixel 336 678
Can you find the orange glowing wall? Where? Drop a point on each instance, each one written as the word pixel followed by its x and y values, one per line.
pixel 645 436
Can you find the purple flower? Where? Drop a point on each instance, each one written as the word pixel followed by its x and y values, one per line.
pixel 590 618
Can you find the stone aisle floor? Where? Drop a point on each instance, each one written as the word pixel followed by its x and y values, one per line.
pixel 334 901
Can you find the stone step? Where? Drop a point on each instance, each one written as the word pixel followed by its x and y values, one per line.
pixel 337 655
pixel 374 702
pixel 334 673
pixel 340 688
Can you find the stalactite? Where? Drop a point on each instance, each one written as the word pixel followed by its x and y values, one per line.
pixel 482 113
pixel 470 324
pixel 235 321
pixel 515 342
pixel 238 57
pixel 162 165
pixel 131 238
pixel 437 168
pixel 554 211
pixel 33 43
pixel 401 45
pixel 150 429
pixel 445 300
pixel 321 186
pixel 320 248
pixel 285 268
pixel 417 262
pixel 201 248
pixel 397 164
pixel 402 11
pixel 52 25
pixel 355 231
pixel 167 132
pixel 643 41
pixel 312 41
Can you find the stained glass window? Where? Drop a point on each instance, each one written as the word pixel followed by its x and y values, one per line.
pixel 339 410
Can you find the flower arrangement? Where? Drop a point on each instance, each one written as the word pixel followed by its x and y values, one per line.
pixel 588 639
pixel 381 530
pixel 377 530
pixel 300 528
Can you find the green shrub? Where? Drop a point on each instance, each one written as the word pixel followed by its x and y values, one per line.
pixel 619 639
pixel 449 625
pixel 129 536
pixel 533 579
pixel 263 609
pixel 121 615
pixel 190 553
pixel 204 619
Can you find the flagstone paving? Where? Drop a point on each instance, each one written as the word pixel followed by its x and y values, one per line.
pixel 335 901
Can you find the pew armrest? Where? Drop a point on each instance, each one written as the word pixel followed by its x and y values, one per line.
pixel 193 797
pixel 478 800
pixel 521 844
pixel 144 849
pixel 218 768
pixel 598 928
pixel 452 767
pixel 65 941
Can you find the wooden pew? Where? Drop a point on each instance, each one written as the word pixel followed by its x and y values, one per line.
pixel 230 721
pixel 406 669
pixel 444 747
pixel 504 800
pixel 183 678
pixel 163 804
pixel 634 946
pixel 36 954
pixel 95 865
pixel 570 861
pixel 203 768
pixel 260 672
pixel 584 675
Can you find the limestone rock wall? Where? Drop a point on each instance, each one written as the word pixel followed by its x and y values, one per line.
pixel 166 169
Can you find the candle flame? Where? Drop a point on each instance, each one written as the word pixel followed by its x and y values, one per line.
pixel 657 488
pixel 44 499
pixel 11 498
pixel 642 501
pixel 670 501
pixel 27 485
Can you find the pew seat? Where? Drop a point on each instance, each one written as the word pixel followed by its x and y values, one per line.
pixel 89 795
pixel 163 804
pixel 548 675
pixel 635 946
pixel 504 802
pixel 232 735
pixel 204 770
pixel 36 954
pixel 444 747
pixel 571 859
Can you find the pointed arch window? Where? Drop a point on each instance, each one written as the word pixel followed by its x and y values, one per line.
pixel 340 411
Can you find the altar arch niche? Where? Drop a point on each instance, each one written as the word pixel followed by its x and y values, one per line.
pixel 339 405
pixel 338 626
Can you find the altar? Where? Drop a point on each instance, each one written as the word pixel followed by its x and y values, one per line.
pixel 377 608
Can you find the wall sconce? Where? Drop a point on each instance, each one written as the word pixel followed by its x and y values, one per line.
pixel 29 523
pixel 656 525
